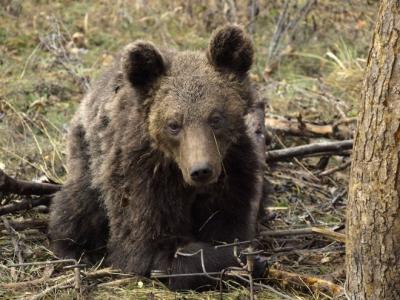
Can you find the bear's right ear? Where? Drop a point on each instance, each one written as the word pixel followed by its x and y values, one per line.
pixel 142 64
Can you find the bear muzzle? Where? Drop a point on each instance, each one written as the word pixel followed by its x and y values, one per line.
pixel 200 160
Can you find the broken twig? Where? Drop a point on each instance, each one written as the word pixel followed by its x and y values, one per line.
pixel 24 205
pixel 26 224
pixel 307 129
pixel 339 237
pixel 335 169
pixel 15 242
pixel 317 148
pixel 31 283
pixel 312 282
pixel 9 185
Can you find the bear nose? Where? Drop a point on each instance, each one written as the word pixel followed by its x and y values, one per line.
pixel 201 173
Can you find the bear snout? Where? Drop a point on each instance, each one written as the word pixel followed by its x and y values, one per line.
pixel 201 173
pixel 199 160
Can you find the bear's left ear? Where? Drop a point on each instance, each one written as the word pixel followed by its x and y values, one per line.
pixel 142 64
pixel 231 49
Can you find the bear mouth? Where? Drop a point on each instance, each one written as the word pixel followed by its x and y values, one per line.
pixel 203 184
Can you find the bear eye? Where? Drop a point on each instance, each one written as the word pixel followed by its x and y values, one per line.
pixel 173 127
pixel 216 121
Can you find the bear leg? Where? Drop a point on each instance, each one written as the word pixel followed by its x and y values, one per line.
pixel 78 224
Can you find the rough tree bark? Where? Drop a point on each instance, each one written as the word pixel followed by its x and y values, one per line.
pixel 373 216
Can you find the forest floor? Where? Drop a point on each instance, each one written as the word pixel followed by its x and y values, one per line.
pixel 310 70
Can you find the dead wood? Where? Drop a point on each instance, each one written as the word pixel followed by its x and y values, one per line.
pixel 25 204
pixel 50 289
pixel 46 278
pixel 14 239
pixel 26 224
pixel 336 169
pixel 344 153
pixel 60 281
pixel 31 283
pixel 118 282
pixel 307 150
pixel 9 185
pixel 4 241
pixel 105 272
pixel 312 282
pixel 339 237
pixel 298 127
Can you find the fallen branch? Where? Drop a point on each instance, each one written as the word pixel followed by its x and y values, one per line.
pixel 344 153
pixel 14 240
pixel 335 169
pixel 338 197
pixel 302 128
pixel 26 224
pixel 336 236
pixel 30 283
pixel 52 288
pixel 9 185
pixel 314 283
pixel 317 148
pixel 118 282
pixel 105 272
pixel 339 237
pixel 21 235
pixel 27 239
pixel 25 204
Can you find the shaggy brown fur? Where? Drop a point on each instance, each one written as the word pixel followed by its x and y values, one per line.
pixel 159 160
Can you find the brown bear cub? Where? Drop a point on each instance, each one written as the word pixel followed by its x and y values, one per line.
pixel 159 160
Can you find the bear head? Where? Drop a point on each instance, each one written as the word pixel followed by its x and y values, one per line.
pixel 194 103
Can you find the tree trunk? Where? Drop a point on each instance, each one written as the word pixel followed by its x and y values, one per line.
pixel 373 213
